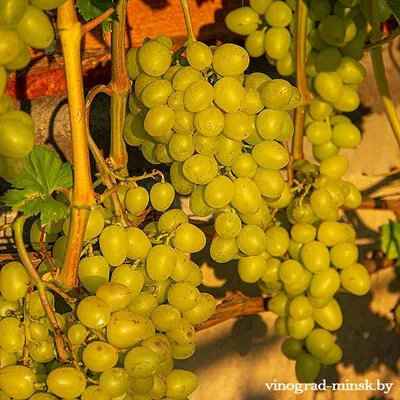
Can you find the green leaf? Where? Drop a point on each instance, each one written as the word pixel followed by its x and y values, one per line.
pixel 90 9
pixel 390 240
pixel 394 6
pixel 43 174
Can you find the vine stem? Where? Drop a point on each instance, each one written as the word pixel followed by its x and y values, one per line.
pixel 69 30
pixel 60 338
pixel 383 41
pixel 96 21
pixel 379 71
pixel 188 21
pixel 120 86
pixel 301 80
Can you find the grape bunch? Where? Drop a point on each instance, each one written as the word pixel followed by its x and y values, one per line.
pixel 137 315
pixel 22 25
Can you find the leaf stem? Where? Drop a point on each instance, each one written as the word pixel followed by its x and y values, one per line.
pixel 120 85
pixel 188 21
pixel 96 21
pixel 301 79
pixel 379 71
pixel 383 41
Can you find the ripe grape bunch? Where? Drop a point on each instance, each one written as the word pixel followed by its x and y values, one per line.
pixel 334 46
pixel 137 315
pixel 22 25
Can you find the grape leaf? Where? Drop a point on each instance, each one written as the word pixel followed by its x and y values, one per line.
pixel 90 9
pixel 394 6
pixel 43 173
pixel 390 240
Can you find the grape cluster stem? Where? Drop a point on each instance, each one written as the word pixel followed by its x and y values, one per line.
pixel 191 37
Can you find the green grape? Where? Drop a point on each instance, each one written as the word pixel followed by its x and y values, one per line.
pixel 159 120
pixel 154 58
pixel 171 72
pixel 12 337
pixel 286 65
pixel 294 249
pixel 132 63
pixel 136 200
pixel 245 166
pixel 319 342
pixel 195 276
pixel 165 317
pixel 161 345
pixel 344 255
pixel 114 243
pixel 329 316
pixel 127 328
pixel 99 356
pixel 290 271
pixel 14 281
pixel 252 268
pixel 278 14
pixel 277 42
pixel 271 273
pixel 21 116
pixel 209 122
pixel 198 204
pixel 251 240
pixel 307 368
pixel 332 233
pixel 47 4
pixel 283 201
pixel 223 249
pixel 351 29
pixel 320 109
pixel 42 396
pixel 159 388
pixel 183 334
pixel 143 304
pixel 7 307
pixel 162 195
pixel 300 308
pixel 254 44
pixel 277 241
pixel 323 205
pixel 247 197
pixel 260 6
pixel 356 279
pixel 156 93
pixel 329 59
pixel 183 296
pixel 292 348
pixel 165 40
pixel 95 393
pixel 300 213
pixel 203 311
pixel 255 80
pixel 42 352
pixel 200 169
pixel 207 146
pixel 180 147
pixel 318 302
pixel 279 305
pixel 181 384
pixel 115 294
pixel 141 362
pixel 353 198
pixel 11 12
pixel 142 385
pixel 161 153
pixel 148 150
pixel 198 96
pixel 316 40
pixel 35 28
pixel 189 238
pixel 181 270
pixel 315 256
pixel 141 82
pixel 270 154
pixel 38 332
pixel 36 309
pixel 93 312
pixel 346 135
pixel 21 60
pixel 10 45
pixel 219 192
pixel 171 219
pixel 199 55
pixel 237 126
pixel 229 94
pixel 93 272
pixel 160 262
pixel 182 352
pixel 325 283
pixel 243 21
pixel 254 137
pixel 184 77
pixel 17 381
pixel 229 150
pixel 252 102
pixel 181 184
pixel 319 9
pixel 276 93
pixel 270 123
pixel 333 357
pixel 17 138
pixel 138 244
pixel 66 382
pixel 184 122
pixel 333 30
pixel 269 182
pixel 300 328
pixel 334 166
pixel 6 102
pixel 325 150
pixel 94 226
pixel 312 69
pixel 115 381
pixel 59 248
pixel 329 86
pixel 280 327
pixel 77 334
pixel 303 232
pixel 349 101
pixel 228 225
pixel 351 70
pixel 175 101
